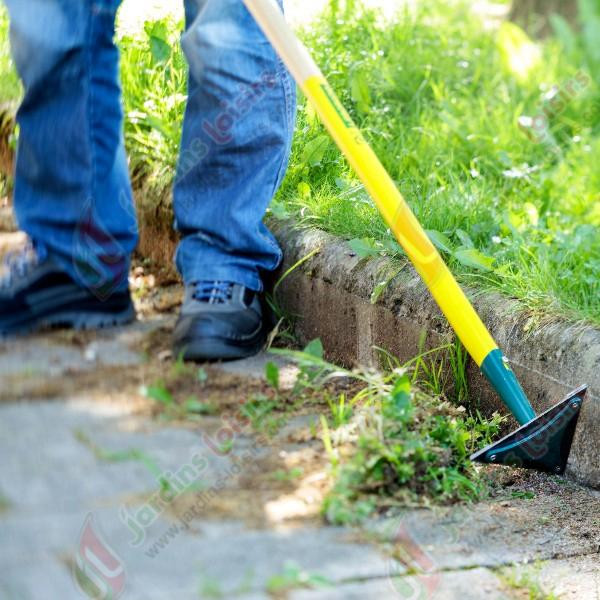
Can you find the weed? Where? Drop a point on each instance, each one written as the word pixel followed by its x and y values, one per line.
pixel 440 371
pixel 261 412
pixel 159 393
pixel 194 406
pixel 202 376
pixel 526 580
pixel 211 588
pixel 341 412
pixel 398 445
pixel 459 359
pixel 272 375
pixel 171 408
pixel 294 577
pixel 522 495
pixel 285 321
pixel 130 454
pixel 328 443
pixel 286 476
pixel 388 275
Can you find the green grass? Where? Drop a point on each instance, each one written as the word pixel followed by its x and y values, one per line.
pixel 153 75
pixel 440 99
pixel 436 98
pixel 10 87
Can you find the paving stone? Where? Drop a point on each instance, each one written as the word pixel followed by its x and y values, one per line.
pixel 254 367
pixel 228 556
pixel 46 355
pixel 53 480
pixel 491 534
pixel 55 470
pixel 241 558
pixel 38 580
pixel 474 584
pixel 29 538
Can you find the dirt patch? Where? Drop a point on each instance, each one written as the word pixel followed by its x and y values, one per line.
pixel 7 127
pixel 157 238
pixel 102 384
pixel 558 501
pixel 285 487
pixel 151 300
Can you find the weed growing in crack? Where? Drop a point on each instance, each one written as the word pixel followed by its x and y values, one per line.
pixel 526 581
pixel 171 408
pixel 285 321
pixel 440 371
pixel 287 475
pixel 293 577
pixel 129 454
pixel 4 504
pixel 261 411
pixel 390 444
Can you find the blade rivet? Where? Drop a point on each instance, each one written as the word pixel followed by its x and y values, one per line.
pixel 575 404
pixel 557 469
pixel 493 458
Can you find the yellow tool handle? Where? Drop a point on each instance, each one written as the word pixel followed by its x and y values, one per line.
pixel 394 209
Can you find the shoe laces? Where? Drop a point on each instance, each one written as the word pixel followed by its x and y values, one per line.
pixel 213 292
pixel 18 264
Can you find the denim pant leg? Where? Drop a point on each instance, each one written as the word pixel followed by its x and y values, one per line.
pixel 236 141
pixel 72 192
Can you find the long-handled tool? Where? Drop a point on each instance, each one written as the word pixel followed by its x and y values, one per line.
pixel 542 442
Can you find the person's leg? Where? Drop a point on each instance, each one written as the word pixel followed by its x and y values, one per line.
pixel 236 140
pixel 235 146
pixel 72 193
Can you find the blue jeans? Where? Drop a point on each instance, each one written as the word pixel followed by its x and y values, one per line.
pixel 72 192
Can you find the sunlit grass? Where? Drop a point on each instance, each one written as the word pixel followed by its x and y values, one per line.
pixel 153 75
pixel 10 88
pixel 440 102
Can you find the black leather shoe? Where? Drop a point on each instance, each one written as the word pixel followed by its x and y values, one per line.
pixel 219 321
pixel 38 294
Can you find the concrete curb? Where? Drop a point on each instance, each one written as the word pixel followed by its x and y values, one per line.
pixel 331 295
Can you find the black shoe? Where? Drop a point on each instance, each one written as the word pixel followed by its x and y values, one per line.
pixel 37 294
pixel 219 321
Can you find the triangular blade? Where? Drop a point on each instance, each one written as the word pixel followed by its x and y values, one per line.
pixel 544 443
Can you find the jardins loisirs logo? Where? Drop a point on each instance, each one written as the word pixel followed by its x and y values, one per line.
pixel 98 571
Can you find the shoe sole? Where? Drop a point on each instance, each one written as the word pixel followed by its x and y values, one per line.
pixel 214 349
pixel 78 320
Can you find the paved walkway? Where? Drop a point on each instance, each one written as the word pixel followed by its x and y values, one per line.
pixel 91 499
